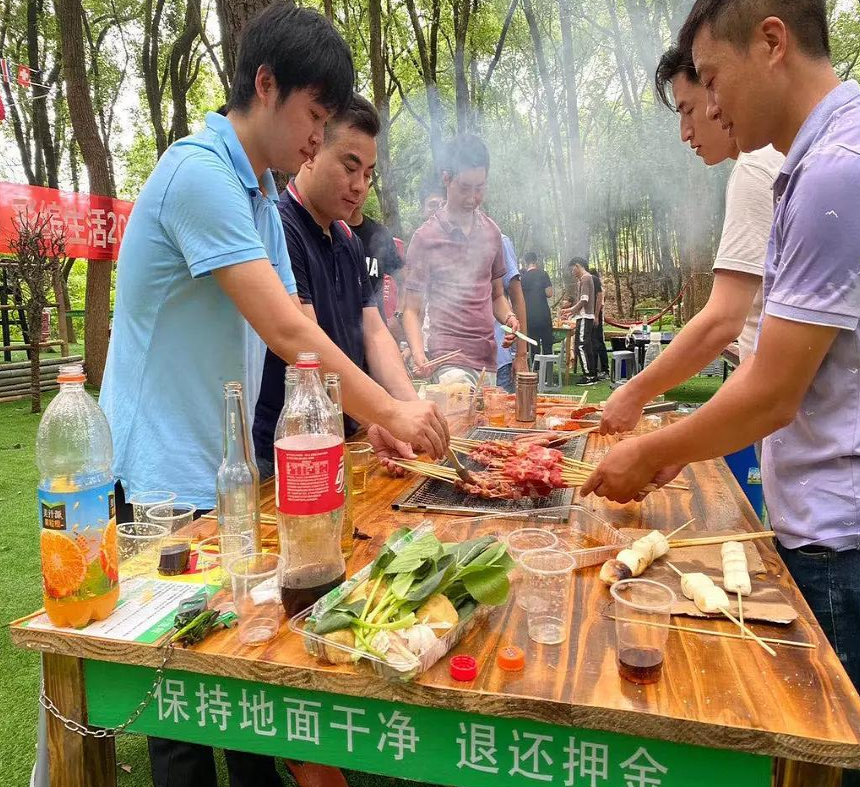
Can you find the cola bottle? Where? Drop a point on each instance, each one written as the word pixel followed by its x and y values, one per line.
pixel 309 489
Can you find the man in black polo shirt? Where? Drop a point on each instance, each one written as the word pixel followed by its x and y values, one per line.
pixel 380 253
pixel 332 284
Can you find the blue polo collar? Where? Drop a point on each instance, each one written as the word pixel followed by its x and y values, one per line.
pixel 818 118
pixel 241 163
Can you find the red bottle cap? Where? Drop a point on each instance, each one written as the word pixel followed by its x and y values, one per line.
pixel 464 668
pixel 511 658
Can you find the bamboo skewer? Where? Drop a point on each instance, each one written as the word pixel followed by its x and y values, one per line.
pixel 741 611
pixel 725 634
pixel 758 640
pixel 443 358
pixel 706 540
pixel 679 529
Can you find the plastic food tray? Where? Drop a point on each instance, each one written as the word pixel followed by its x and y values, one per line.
pixel 587 537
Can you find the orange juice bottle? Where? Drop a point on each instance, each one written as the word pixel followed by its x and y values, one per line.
pixel 78 543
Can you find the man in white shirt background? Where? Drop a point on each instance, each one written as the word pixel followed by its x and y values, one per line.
pixel 734 306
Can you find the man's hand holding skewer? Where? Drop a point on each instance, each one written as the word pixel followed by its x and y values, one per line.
pixel 388 449
pixel 420 424
pixel 627 473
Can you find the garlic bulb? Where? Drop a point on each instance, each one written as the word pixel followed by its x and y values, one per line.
pixel 419 638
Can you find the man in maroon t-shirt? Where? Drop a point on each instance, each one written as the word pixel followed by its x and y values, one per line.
pixel 455 265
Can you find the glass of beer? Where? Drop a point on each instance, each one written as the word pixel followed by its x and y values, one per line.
pixel 495 402
pixel 360 455
pixel 642 611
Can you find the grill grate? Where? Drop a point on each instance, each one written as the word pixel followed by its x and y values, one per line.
pixel 432 495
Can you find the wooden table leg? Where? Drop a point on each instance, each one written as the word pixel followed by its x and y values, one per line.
pixel 790 773
pixel 74 759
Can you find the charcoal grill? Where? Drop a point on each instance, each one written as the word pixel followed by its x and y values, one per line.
pixel 432 495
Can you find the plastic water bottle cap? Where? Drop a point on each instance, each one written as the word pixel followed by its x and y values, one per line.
pixel 463 668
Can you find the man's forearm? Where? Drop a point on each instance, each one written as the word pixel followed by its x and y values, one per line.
pixel 412 329
pixel 696 345
pixel 386 365
pixel 501 308
pixel 518 302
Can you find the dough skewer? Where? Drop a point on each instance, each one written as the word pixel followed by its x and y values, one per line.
pixel 699 597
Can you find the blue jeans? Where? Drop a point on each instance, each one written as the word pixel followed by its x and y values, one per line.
pixel 830 583
pixel 505 377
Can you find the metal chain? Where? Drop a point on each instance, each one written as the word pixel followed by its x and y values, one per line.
pixel 110 732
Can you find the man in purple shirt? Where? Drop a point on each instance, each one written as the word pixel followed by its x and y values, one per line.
pixel 456 265
pixel 767 71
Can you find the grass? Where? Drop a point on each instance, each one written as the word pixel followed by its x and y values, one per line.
pixel 20 587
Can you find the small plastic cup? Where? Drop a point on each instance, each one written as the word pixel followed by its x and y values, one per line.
pixel 524 540
pixel 214 555
pixel 138 552
pixel 176 549
pixel 360 455
pixel 256 580
pixel 143 501
pixel 548 575
pixel 495 404
pixel 642 611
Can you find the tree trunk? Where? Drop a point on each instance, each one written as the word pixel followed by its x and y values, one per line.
pixel 82 114
pixel 151 70
pixel 427 53
pixel 384 183
pixel 233 14
pixel 46 158
pixel 34 318
pixel 579 231
pixel 67 299
pixel 180 68
pixel 552 120
pixel 461 10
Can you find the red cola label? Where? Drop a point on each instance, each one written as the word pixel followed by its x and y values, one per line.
pixel 309 474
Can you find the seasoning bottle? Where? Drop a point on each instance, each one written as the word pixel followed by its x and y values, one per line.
pixel 527 396
pixel 332 388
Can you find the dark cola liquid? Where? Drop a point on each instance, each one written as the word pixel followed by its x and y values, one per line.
pixel 174 559
pixel 640 665
pixel 302 587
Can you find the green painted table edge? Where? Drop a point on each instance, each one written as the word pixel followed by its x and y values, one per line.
pixel 424 744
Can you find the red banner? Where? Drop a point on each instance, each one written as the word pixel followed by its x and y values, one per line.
pixel 92 225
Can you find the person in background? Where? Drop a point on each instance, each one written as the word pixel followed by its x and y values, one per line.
pixel 537 290
pixel 582 312
pixel 734 306
pixel 510 361
pixel 431 195
pixel 202 282
pixel 455 264
pixel 332 280
pixel 380 252
pixel 767 71
pixel 601 357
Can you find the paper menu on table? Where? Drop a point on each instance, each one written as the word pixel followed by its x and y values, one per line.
pixel 140 616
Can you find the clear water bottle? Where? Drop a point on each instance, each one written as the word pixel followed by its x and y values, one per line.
pixel 78 544
pixel 332 387
pixel 237 484
pixel 653 349
pixel 309 489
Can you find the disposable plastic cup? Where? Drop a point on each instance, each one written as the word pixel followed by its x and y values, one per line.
pixel 138 552
pixel 176 549
pixel 548 575
pixel 360 455
pixel 642 611
pixel 495 403
pixel 519 542
pixel 214 555
pixel 143 501
pixel 256 580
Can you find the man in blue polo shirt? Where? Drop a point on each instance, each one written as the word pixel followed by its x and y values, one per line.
pixel 184 303
pixel 508 360
pixel 328 260
pixel 767 70
pixel 203 276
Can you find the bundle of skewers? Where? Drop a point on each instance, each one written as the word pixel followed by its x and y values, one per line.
pixel 527 467
pixel 435 363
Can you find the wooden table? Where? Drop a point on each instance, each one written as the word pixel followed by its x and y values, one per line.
pixel 724 712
